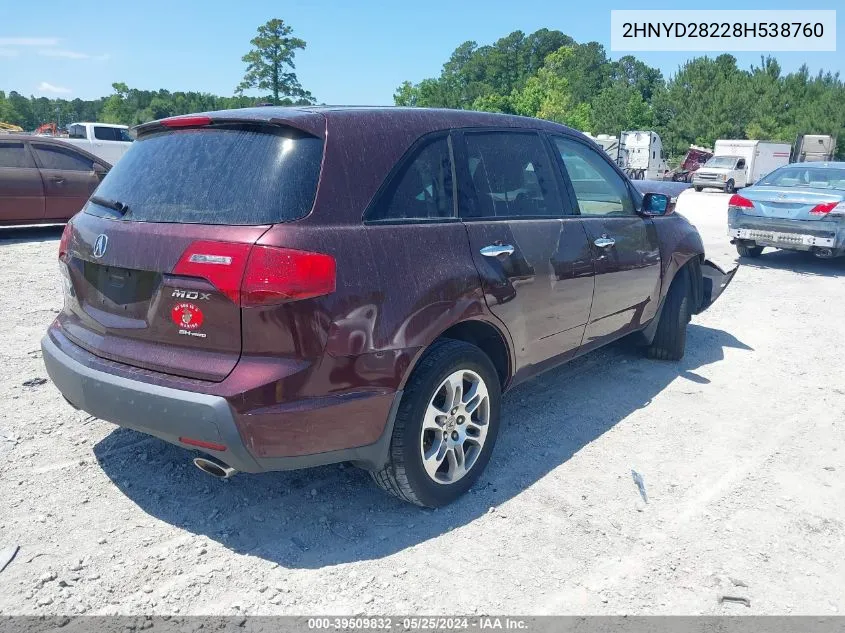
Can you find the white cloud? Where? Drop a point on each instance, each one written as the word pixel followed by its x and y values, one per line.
pixel 29 41
pixel 8 52
pixel 54 52
pixel 45 87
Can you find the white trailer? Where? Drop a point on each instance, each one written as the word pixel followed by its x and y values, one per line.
pixel 639 154
pixel 642 156
pixel 813 148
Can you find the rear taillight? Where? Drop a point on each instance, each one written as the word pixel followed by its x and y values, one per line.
pixel 824 208
pixel 186 121
pixel 221 263
pixel 274 275
pixel 63 243
pixel 738 201
pixel 259 275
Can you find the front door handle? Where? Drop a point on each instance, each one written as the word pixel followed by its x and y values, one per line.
pixel 494 250
pixel 604 242
pixel 57 179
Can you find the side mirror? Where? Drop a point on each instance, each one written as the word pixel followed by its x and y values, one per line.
pixel 656 204
pixel 100 171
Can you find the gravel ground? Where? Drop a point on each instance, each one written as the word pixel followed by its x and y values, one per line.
pixel 737 446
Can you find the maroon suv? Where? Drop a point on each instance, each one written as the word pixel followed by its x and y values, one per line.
pixel 288 287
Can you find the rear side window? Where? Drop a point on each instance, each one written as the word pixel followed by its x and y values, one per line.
pixel 423 189
pixel 14 155
pixel 216 175
pixel 76 131
pixel 512 175
pixel 55 157
pixel 104 133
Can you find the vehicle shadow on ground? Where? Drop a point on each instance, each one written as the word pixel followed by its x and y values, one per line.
pixel 797 262
pixel 335 514
pixel 19 235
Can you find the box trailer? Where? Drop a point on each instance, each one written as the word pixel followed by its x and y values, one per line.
pixel 761 157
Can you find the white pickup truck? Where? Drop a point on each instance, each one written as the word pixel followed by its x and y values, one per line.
pixel 104 140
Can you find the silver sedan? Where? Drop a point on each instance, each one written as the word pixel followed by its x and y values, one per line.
pixel 798 207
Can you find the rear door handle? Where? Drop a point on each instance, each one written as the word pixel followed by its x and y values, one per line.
pixel 604 242
pixel 494 250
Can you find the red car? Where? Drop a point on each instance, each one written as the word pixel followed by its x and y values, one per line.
pixel 289 287
pixel 44 180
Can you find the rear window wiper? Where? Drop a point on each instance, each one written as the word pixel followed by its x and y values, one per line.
pixel 114 205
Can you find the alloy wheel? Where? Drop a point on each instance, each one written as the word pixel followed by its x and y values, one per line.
pixel 455 427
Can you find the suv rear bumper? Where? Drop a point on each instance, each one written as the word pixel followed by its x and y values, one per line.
pixel 171 414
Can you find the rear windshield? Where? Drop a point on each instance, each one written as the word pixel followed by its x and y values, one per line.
pixel 807 177
pixel 215 175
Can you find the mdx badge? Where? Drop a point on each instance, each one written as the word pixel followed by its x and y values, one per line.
pixel 100 245
pixel 191 294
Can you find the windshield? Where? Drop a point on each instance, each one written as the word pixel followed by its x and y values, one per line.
pixel 215 175
pixel 721 161
pixel 812 178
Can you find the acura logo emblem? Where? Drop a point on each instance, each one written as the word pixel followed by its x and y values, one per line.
pixel 100 245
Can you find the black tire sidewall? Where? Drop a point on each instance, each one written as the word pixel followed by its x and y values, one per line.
pixel 730 187
pixel 465 356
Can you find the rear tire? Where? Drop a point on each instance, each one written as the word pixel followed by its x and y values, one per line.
pixel 671 337
pixel 698 189
pixel 438 450
pixel 749 251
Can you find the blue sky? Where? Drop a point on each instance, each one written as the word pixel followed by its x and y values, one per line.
pixel 358 53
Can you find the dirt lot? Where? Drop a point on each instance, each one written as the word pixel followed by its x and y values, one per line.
pixel 741 448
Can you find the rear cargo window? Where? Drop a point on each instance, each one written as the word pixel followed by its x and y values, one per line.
pixel 217 175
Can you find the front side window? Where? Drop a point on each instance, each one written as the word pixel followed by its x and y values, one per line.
pixel 599 189
pixel 512 175
pixel 54 157
pixel 14 155
pixel 423 189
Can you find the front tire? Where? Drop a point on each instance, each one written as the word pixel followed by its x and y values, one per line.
pixel 670 340
pixel 730 187
pixel 749 251
pixel 445 428
pixel 698 189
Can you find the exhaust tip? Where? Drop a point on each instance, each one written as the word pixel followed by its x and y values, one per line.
pixel 214 468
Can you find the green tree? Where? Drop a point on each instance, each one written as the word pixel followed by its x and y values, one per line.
pixel 270 63
pixel 548 95
pixel 116 109
pixel 620 107
pixel 707 100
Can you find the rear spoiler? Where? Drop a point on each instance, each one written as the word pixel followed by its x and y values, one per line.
pixel 311 123
pixel 715 280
